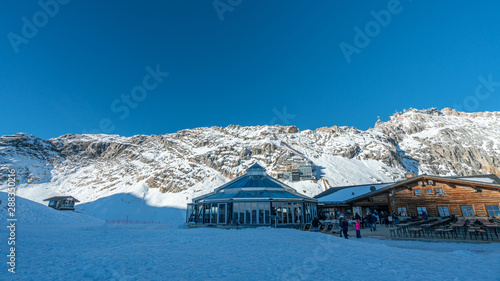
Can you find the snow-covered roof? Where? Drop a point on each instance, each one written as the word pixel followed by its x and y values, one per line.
pixel 489 178
pixel 347 193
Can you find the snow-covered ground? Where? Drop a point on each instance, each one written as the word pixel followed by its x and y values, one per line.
pixel 56 245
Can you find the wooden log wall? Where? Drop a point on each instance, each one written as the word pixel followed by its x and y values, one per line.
pixel 453 196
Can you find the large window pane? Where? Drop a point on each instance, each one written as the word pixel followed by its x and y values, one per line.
pixel 222 213
pixel 421 210
pixel 294 212
pixel 214 213
pixel 190 213
pixel 273 209
pixel 443 211
pixel 285 213
pixel 493 210
pixel 248 210
pixel 241 213
pixel 206 218
pixel 307 212
pixel 235 212
pixel 467 211
pixel 266 212
pixel 254 213
pixel 261 212
pixel 299 212
pixel 279 213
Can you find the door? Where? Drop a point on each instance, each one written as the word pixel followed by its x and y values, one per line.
pixel 222 213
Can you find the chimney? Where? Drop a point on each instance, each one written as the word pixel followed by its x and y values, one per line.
pixel 409 175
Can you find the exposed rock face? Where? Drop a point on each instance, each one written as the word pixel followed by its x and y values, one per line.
pixel 436 142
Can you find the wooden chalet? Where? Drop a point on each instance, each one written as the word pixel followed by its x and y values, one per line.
pixel 475 196
pixel 62 202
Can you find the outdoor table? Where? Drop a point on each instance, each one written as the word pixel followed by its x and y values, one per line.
pixel 493 227
pixel 404 227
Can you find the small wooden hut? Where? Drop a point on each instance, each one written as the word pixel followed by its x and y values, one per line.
pixel 62 202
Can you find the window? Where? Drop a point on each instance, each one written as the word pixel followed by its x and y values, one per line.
pixel 443 211
pixel 248 212
pixel 402 211
pixel 253 210
pixel 261 212
pixel 421 210
pixel 266 213
pixel 467 211
pixel 493 210
pixel 439 190
pixel 418 192
pixel 428 191
pixel 241 212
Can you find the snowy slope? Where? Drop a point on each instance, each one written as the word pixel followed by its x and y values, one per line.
pixel 160 253
pixel 32 213
pixel 124 206
pixel 169 170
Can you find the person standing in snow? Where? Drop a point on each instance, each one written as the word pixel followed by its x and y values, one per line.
pixel 395 218
pixel 345 228
pixel 315 224
pixel 357 226
pixel 369 221
pixel 424 215
pixel 357 217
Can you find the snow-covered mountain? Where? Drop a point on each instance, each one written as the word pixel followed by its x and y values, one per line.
pixel 169 170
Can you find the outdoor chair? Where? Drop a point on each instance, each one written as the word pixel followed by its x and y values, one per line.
pixel 328 228
pixel 321 228
pixel 483 233
pixel 472 231
pixel 307 227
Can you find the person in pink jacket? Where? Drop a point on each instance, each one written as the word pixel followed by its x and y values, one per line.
pixel 357 226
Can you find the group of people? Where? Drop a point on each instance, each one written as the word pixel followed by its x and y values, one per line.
pixel 369 220
pixel 344 227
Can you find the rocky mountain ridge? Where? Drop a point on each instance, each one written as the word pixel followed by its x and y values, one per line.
pixel 173 168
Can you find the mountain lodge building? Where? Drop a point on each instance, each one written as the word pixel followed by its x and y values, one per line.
pixel 62 202
pixel 251 200
pixel 474 196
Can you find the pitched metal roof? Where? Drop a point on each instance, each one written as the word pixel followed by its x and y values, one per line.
pixel 254 194
pixel 254 181
pixel 256 166
pixel 491 178
pixel 263 185
pixel 344 194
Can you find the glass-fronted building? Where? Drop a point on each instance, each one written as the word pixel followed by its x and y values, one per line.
pixel 253 199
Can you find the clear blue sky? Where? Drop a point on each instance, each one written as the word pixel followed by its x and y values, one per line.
pixel 263 55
